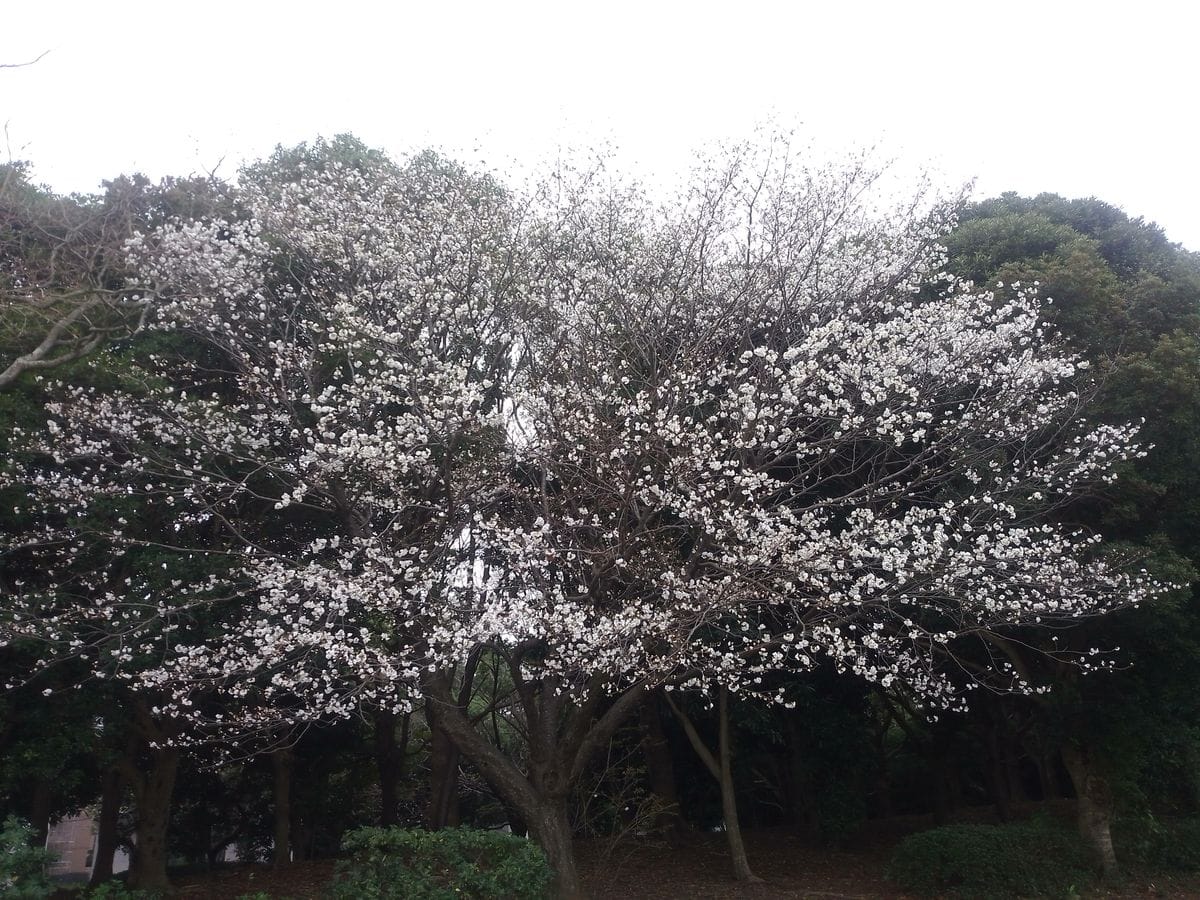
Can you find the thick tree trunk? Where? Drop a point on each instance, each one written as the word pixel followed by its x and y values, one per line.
pixel 551 828
pixel 442 809
pixel 389 758
pixel 660 769
pixel 563 736
pixel 112 788
pixel 282 762
pixel 152 793
pixel 1094 806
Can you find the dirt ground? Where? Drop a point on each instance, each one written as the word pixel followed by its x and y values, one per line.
pixel 699 870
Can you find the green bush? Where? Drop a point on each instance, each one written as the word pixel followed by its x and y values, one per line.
pixel 22 865
pixel 1024 859
pixel 409 864
pixel 1159 845
pixel 117 890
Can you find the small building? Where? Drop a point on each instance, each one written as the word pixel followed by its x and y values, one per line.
pixel 73 842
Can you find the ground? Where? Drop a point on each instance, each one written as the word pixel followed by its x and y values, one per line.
pixel 698 870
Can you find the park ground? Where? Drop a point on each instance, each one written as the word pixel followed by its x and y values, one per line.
pixel 697 869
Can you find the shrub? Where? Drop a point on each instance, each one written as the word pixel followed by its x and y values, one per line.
pixel 1159 845
pixel 22 865
pixel 117 890
pixel 387 863
pixel 1025 859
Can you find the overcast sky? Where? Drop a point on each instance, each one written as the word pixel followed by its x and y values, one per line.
pixel 1083 99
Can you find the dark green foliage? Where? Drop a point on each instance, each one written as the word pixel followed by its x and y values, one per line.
pixel 1028 859
pixel 828 734
pixel 1118 284
pixel 22 866
pixel 1129 299
pixel 117 890
pixel 1159 845
pixel 409 864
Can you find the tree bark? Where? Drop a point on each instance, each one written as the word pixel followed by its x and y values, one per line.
pixel 1094 798
pixel 660 769
pixel 152 795
pixel 442 808
pixel 733 828
pixel 389 758
pixel 562 737
pixel 720 768
pixel 112 787
pixel 282 761
pixel 551 828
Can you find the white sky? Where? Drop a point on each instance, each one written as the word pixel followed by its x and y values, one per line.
pixel 1083 99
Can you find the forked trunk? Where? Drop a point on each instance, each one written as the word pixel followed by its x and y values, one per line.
pixel 733 828
pixel 720 767
pixel 563 736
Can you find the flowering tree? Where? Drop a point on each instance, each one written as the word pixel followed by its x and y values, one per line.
pixel 238 439
pixel 762 431
pixel 610 446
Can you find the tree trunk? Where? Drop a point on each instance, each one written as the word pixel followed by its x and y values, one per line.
pixel 389 758
pixel 281 765
pixel 152 793
pixel 720 768
pixel 112 788
pixel 733 828
pixel 551 828
pixel 1094 806
pixel 660 769
pixel 563 737
pixel 442 809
